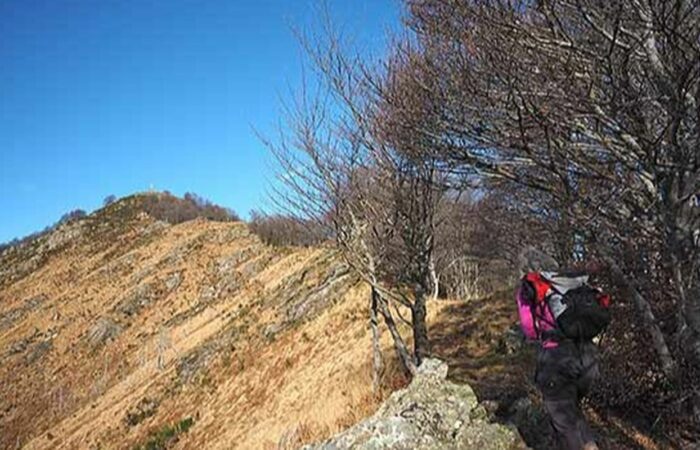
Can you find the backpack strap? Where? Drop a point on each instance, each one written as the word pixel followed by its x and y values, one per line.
pixel 533 306
pixel 552 333
pixel 539 290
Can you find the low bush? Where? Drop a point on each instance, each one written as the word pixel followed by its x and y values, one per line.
pixel 174 210
pixel 166 436
pixel 280 230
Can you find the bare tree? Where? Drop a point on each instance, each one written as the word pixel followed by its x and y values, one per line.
pixel 575 120
pixel 282 230
pixel 327 177
pixel 343 167
pixel 109 200
pixel 591 107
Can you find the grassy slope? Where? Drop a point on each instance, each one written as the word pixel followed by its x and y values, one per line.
pixel 204 321
pixel 117 327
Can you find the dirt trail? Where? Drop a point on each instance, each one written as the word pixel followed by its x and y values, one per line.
pixel 480 342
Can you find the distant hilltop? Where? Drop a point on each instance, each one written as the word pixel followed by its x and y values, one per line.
pixel 159 205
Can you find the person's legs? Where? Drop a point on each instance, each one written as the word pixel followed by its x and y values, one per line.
pixel 562 379
pixel 590 373
pixel 568 423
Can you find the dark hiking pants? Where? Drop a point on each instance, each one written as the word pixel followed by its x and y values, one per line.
pixel 564 376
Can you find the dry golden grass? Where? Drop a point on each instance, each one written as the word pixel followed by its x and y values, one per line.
pixel 251 395
pixel 302 384
pixel 255 389
pixel 365 403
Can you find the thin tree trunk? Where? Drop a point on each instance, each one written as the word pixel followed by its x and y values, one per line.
pixel 692 318
pixel 421 344
pixel 668 364
pixel 434 280
pixel 689 305
pixel 377 366
pixel 689 316
pixel 399 345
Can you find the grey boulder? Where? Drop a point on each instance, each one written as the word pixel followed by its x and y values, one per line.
pixel 431 413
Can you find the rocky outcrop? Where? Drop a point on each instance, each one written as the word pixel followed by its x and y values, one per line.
pixel 103 331
pixel 431 413
pixel 8 319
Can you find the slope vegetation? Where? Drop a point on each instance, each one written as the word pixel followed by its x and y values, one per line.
pixel 117 330
pixel 121 331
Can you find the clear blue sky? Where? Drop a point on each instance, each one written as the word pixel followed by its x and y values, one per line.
pixel 102 97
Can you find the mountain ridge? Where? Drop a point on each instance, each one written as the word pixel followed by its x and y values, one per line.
pixel 118 330
pixel 117 311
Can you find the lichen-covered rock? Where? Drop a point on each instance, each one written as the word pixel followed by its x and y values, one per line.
pixel 512 341
pixel 9 318
pixel 431 413
pixel 145 408
pixel 137 299
pixel 37 351
pixel 63 235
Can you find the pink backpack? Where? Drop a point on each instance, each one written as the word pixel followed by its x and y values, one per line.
pixel 535 316
pixel 549 307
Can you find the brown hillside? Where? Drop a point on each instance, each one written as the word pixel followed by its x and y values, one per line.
pixel 117 325
pixel 121 331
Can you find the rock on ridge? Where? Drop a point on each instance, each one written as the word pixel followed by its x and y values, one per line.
pixel 431 413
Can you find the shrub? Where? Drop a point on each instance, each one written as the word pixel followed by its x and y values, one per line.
pixel 280 230
pixel 72 216
pixel 174 210
pixel 109 200
pixel 166 436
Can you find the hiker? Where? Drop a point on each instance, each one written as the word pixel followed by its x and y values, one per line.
pixel 561 311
